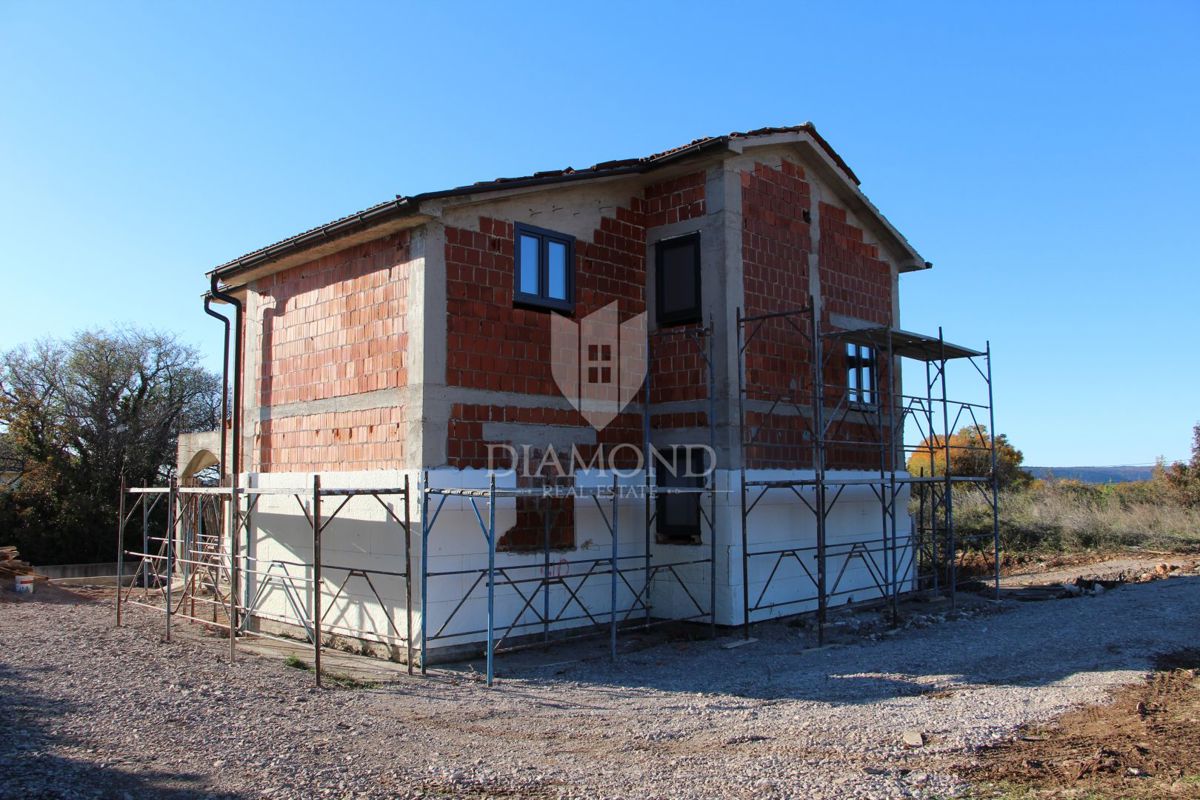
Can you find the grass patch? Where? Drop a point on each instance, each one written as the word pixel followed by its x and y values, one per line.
pixel 295 663
pixel 1068 516
pixel 330 678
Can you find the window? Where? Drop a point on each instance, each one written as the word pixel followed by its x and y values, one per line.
pixel 677 283
pixel 861 373
pixel 677 516
pixel 545 269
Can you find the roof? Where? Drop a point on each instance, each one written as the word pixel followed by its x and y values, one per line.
pixel 906 344
pixel 404 205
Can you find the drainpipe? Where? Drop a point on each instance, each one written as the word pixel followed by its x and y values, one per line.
pixel 235 461
pixel 224 375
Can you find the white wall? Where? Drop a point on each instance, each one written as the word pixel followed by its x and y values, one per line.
pixel 781 522
pixel 362 536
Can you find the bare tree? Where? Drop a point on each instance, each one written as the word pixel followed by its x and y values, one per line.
pixel 79 415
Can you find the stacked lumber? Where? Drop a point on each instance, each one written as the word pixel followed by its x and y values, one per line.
pixel 11 565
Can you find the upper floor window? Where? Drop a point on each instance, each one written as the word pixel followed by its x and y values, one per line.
pixel 861 369
pixel 545 268
pixel 677 286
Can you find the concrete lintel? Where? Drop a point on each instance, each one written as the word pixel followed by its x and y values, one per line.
pixel 364 401
pixel 561 437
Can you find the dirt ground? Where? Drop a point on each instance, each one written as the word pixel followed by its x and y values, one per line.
pixel 952 704
pixel 1143 745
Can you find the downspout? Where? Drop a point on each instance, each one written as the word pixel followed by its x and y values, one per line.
pixel 236 461
pixel 224 376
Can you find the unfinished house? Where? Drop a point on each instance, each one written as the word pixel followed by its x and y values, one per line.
pixel 656 389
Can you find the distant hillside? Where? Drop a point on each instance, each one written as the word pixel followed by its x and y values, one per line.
pixel 1095 474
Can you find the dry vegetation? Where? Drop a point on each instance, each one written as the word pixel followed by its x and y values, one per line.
pixel 1069 516
pixel 1142 746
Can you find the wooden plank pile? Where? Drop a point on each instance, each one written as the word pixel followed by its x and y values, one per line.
pixel 11 565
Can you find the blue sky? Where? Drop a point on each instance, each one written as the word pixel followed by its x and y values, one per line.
pixel 1042 155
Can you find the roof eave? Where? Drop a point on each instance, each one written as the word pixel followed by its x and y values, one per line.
pixel 413 206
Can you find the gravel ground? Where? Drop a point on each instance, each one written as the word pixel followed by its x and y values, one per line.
pixel 96 711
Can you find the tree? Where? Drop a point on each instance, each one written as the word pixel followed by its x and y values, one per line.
pixel 1183 479
pixel 78 415
pixel 970 455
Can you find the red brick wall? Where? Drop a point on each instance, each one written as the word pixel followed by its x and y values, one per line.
pixel 776 239
pixel 678 372
pixel 675 200
pixel 334 327
pixel 345 441
pixel 854 281
pixel 776 243
pixel 492 345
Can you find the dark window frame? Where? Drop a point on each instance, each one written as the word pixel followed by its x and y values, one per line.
pixel 687 316
pixel 668 532
pixel 542 298
pixel 862 361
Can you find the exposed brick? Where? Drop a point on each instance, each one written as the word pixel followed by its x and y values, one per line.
pixel 776 243
pixel 854 280
pixel 333 327
pixel 341 441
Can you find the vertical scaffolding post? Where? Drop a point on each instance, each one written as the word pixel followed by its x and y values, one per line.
pixel 547 508
pixel 145 534
pixel 424 490
pixel 893 379
pixel 819 464
pixel 233 519
pixel 742 470
pixel 121 547
pixel 883 490
pixel 948 500
pixel 649 476
pixel 995 476
pixel 712 486
pixel 491 584
pixel 612 625
pixel 648 491
pixel 408 570
pixel 316 603
pixel 931 445
pixel 170 533
pixel 235 537
pixel 190 552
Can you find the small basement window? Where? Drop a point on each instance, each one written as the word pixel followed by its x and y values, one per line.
pixel 677 286
pixel 677 516
pixel 861 374
pixel 545 269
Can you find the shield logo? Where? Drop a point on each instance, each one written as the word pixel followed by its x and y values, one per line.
pixel 598 364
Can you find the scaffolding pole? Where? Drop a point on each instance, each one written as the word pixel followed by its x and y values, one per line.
pixel 841 415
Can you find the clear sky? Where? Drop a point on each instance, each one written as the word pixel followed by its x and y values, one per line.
pixel 1042 155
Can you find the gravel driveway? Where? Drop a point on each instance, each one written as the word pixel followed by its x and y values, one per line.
pixel 95 711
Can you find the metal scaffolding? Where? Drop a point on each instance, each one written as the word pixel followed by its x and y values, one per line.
pixel 190 563
pixel 855 425
pixel 534 582
pixel 199 559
